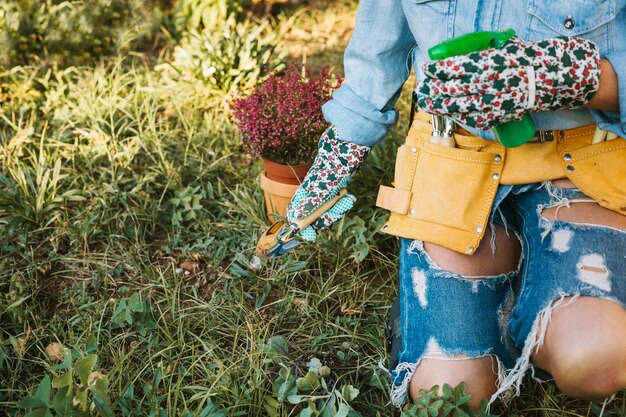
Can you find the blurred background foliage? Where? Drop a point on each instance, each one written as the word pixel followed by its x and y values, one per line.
pixel 73 32
pixel 129 213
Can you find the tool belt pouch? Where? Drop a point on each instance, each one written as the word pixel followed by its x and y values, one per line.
pixel 442 195
pixel 598 170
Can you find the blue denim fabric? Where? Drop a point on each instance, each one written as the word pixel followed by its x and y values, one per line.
pixel 440 311
pixel 390 35
pixel 498 315
pixel 556 251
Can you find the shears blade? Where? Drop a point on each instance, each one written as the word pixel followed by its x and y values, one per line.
pixel 277 240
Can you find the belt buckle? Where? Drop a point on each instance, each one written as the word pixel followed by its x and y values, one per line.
pixel 542 136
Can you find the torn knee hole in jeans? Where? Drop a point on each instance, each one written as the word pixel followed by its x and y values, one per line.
pixel 405 371
pixel 572 206
pixel 444 263
pixel 563 218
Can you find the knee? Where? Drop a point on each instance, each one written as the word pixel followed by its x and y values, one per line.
pixel 585 348
pixel 486 261
pixel 479 375
pixel 591 369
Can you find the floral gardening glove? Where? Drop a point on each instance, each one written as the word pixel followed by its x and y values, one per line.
pixel 334 166
pixel 487 88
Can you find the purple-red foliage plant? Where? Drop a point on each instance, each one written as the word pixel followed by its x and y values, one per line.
pixel 281 120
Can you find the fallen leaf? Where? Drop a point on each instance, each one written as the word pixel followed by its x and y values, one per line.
pixel 189 266
pixel 300 302
pixel 55 351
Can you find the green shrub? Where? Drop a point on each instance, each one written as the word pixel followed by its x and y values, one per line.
pixel 204 14
pixel 71 32
pixel 219 63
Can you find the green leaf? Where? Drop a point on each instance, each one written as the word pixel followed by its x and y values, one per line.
pixel 40 412
pixel 295 266
pixel 31 402
pixel 447 392
pixel 295 399
pixel 134 303
pixel 156 381
pixel 91 345
pixel 17 303
pixel 61 403
pixel 423 399
pixel 100 387
pixel 315 365
pixel 278 344
pixel 460 396
pixel 306 412
pixel 102 406
pixel 349 392
pixel 67 362
pixel 4 358
pixel 212 410
pixel 433 408
pixel 329 410
pixel 129 394
pixel 261 298
pixel 128 317
pixel 64 380
pixel 43 390
pixel 309 383
pixel 447 408
pixel 81 398
pixel 460 413
pixel 271 406
pixel 84 366
pixel 287 389
pixel 343 411
pixel 121 309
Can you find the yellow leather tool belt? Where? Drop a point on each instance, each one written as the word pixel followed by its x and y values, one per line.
pixel 444 195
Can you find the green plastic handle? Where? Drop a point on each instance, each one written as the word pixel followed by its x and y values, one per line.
pixel 509 134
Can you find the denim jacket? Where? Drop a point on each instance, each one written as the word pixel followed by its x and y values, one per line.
pixel 391 36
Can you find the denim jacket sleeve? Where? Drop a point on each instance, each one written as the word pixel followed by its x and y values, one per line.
pixel 611 121
pixel 377 63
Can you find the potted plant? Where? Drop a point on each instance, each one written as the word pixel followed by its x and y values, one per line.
pixel 281 121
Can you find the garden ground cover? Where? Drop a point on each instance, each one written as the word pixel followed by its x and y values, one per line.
pixel 129 213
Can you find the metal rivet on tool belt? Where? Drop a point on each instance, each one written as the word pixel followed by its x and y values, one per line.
pixel 479 229
pixel 412 211
pixel 569 23
pixel 470 249
pixel 413 150
pixel 498 158
pixel 570 168
pixel 623 208
pixel 495 176
pixel 567 157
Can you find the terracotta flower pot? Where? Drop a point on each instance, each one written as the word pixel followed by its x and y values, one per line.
pixel 279 183
pixel 287 174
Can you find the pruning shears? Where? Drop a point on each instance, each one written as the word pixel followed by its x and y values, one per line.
pixel 281 237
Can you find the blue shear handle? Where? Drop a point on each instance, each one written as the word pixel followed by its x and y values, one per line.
pixel 283 248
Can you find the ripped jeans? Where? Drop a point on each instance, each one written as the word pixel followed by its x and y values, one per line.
pixel 499 316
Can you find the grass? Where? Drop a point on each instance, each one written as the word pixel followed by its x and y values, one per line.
pixel 96 163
